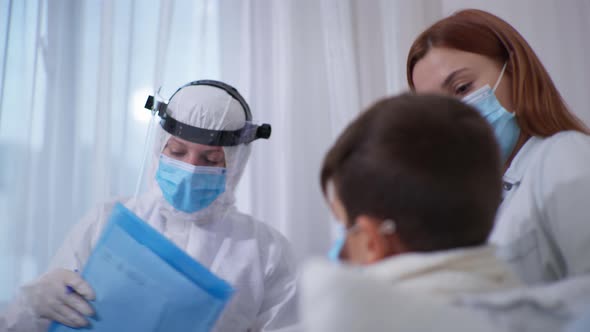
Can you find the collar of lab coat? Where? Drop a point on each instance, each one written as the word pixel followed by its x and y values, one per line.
pixel 521 161
pixel 447 273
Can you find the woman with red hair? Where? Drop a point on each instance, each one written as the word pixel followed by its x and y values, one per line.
pixel 543 225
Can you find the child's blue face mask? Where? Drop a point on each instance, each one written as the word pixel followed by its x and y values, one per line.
pixel 334 253
pixel 504 123
pixel 387 228
pixel 189 188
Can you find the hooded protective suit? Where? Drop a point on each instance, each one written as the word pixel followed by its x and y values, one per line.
pixel 254 258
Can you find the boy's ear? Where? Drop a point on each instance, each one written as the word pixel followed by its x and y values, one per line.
pixel 378 245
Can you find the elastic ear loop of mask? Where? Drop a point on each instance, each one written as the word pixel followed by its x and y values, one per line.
pixel 222 120
pixel 500 77
pixel 387 227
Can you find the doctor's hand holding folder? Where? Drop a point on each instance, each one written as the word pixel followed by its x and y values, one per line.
pixel 143 282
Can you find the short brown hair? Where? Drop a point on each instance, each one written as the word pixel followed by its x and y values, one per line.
pixel 430 163
pixel 539 107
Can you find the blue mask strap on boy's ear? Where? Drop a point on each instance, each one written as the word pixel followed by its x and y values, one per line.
pixel 334 253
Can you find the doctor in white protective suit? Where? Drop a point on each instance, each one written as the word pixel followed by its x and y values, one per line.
pixel 200 152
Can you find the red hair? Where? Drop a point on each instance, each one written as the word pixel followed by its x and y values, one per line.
pixel 539 107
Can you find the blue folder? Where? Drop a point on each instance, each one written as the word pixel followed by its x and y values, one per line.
pixel 143 282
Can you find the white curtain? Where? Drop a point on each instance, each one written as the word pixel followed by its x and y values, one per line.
pixel 74 76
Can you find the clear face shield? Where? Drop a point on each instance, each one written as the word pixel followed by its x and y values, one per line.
pixel 200 147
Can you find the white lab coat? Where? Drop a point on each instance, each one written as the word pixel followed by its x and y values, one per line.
pixel 409 292
pixel 543 308
pixel 543 225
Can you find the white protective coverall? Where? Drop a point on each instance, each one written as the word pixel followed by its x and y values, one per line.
pixel 254 258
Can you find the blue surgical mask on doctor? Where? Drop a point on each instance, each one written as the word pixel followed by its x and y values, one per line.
pixel 503 122
pixel 189 188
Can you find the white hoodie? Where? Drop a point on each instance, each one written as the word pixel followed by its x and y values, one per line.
pixel 410 292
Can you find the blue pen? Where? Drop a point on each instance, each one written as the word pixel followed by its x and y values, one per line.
pixel 70 289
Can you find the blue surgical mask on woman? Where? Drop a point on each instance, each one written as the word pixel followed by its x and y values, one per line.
pixel 189 188
pixel 504 123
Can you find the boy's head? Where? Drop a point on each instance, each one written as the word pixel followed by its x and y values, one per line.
pixel 414 173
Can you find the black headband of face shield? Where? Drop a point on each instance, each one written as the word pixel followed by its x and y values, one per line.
pixel 247 134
